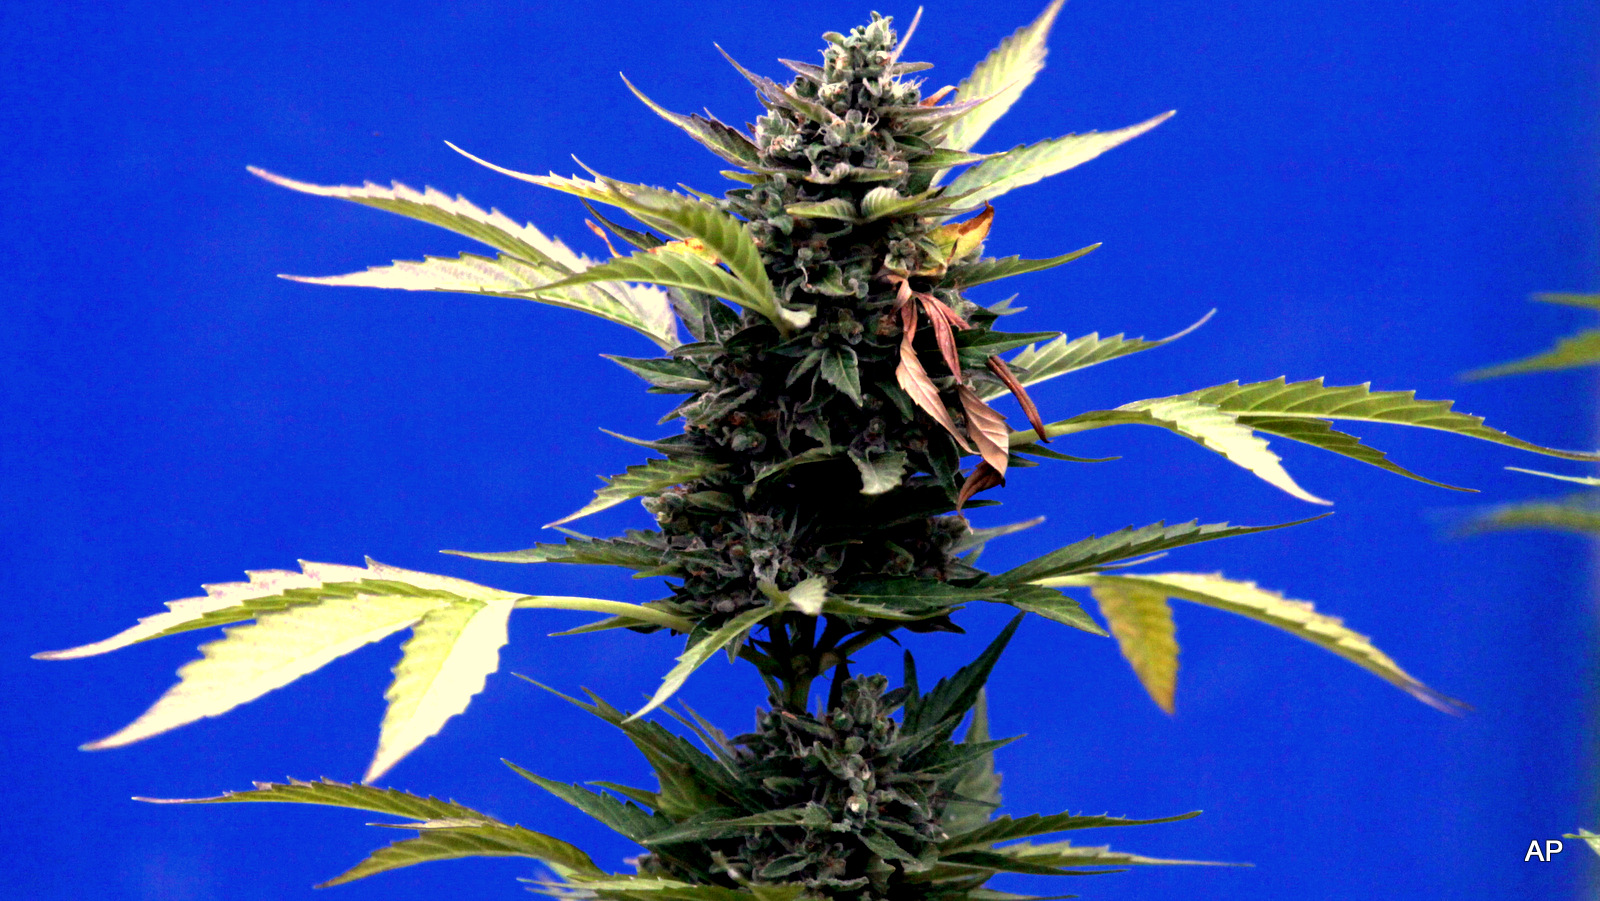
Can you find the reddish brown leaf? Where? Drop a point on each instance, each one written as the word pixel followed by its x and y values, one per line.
pixel 982 479
pixel 914 379
pixel 999 368
pixel 987 429
pixel 933 99
pixel 949 314
pixel 942 332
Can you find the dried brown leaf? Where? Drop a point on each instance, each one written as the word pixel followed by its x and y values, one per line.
pixel 914 379
pixel 987 428
pixel 1000 369
pixel 982 479
pixel 943 333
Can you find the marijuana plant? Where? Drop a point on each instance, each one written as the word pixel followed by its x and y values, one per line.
pixel 837 424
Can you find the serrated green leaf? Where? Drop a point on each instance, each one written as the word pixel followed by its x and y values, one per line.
pixel 1066 854
pixel 1050 604
pixel 458 215
pixel 273 590
pixel 1006 828
pixel 713 827
pixel 975 540
pixel 641 613
pixel 1141 620
pixel 641 479
pixel 1025 165
pixel 833 208
pixel 443 665
pixel 880 474
pixel 1221 431
pixel 679 270
pixel 328 793
pixel 303 621
pixel 1298 618
pixel 453 839
pixel 592 551
pixel 533 260
pixel 773 94
pixel 683 217
pixel 1061 356
pixel 1311 399
pixel 976 795
pixel 884 201
pixel 1320 434
pixel 1097 552
pixel 1279 404
pixel 672 375
pixel 723 140
pixel 448 830
pixel 641 308
pixel 702 647
pixel 980 345
pixel 623 818
pixel 691 780
pixel 840 369
pixel 1003 75
pixel 1582 349
pixel 983 271
pixel 952 697
pixel 770 470
pixel 913 595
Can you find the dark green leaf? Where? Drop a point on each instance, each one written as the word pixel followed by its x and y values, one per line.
pixel 723 140
pixel 839 369
pixel 1096 552
pixel 1052 605
pixel 984 271
pixel 632 554
pixel 678 376
pixel 1006 828
pixel 954 696
pixel 618 816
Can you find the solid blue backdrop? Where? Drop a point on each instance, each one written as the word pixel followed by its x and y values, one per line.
pixel 1365 190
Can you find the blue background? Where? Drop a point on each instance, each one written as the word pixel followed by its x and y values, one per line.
pixel 1366 190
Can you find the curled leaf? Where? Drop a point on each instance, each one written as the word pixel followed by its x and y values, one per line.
pixel 982 479
pixel 914 381
pixel 1004 373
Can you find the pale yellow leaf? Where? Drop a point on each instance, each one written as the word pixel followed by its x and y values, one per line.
pixel 275 650
pixel 445 663
pixel 1222 432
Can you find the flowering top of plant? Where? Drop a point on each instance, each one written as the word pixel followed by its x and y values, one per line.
pixel 837 420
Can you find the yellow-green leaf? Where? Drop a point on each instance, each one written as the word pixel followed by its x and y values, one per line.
pixel 1003 75
pixel 1141 620
pixel 445 663
pixel 1298 618
pixel 1025 165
